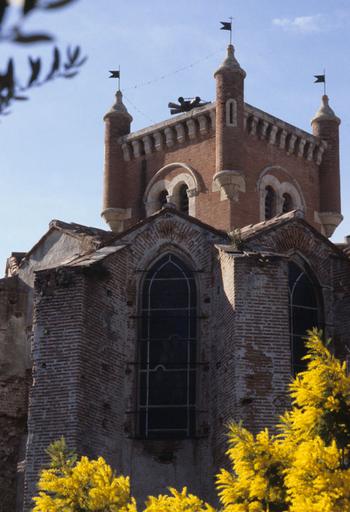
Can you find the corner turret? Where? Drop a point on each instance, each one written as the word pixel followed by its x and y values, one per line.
pixel 229 177
pixel 325 124
pixel 117 124
pixel 229 112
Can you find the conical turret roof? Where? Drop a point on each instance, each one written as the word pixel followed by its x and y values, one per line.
pixel 325 112
pixel 230 63
pixel 118 107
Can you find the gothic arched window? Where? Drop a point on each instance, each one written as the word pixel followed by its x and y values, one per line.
pixel 287 204
pixel 183 198
pixel 167 351
pixel 270 203
pixel 304 312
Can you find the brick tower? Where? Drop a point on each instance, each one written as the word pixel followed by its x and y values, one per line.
pixel 117 123
pixel 325 125
pixel 226 163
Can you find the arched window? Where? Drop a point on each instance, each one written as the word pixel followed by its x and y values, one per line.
pixel 270 203
pixel 287 204
pixel 304 312
pixel 167 351
pixel 231 112
pixel 183 198
pixel 162 198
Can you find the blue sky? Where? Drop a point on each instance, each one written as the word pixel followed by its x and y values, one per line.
pixel 51 147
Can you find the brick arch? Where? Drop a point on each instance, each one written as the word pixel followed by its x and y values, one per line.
pixel 295 240
pixel 188 177
pixel 290 187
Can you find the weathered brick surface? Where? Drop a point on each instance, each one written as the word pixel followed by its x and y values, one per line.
pixel 13 388
pixel 57 352
pixel 87 303
pixel 85 347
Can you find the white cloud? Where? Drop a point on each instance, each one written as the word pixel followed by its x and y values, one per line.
pixel 304 24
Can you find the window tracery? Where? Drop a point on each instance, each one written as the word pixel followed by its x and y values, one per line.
pixel 167 351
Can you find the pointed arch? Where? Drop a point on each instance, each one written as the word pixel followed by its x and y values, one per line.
pixel 167 350
pixel 305 308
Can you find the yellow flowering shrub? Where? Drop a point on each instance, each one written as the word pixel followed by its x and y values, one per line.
pixel 305 467
pixel 83 485
pixel 177 502
pixel 317 480
pixel 321 397
pixel 256 483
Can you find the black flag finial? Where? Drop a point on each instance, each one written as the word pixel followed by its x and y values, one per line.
pixel 227 25
pixel 321 79
pixel 115 74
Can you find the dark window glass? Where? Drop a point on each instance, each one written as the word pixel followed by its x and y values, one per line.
pixel 270 203
pixel 231 113
pixel 287 205
pixel 162 198
pixel 304 313
pixel 183 199
pixel 167 351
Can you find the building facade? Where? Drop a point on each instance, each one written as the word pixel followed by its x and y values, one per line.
pixel 140 343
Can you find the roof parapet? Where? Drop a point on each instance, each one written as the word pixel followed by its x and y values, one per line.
pixel 200 122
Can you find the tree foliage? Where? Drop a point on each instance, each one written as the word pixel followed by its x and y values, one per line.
pixel 63 65
pixel 304 466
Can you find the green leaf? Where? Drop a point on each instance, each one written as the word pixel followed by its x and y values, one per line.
pixel 32 38
pixel 58 4
pixel 70 75
pixel 35 65
pixel 3 6
pixel 28 6
pixel 55 64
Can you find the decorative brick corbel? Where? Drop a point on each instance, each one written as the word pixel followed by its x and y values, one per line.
pixel 115 218
pixel 328 221
pixel 229 183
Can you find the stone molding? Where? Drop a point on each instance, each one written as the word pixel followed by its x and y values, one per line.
pixel 229 183
pixel 329 222
pixel 160 182
pixel 290 187
pixel 115 218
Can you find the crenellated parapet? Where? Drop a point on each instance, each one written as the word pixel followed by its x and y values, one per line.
pixel 188 127
pixel 200 122
pixel 285 136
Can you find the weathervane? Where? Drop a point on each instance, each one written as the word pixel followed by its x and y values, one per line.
pixel 116 74
pixel 227 25
pixel 186 104
pixel 321 79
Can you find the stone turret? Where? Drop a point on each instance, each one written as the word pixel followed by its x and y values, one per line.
pixel 229 178
pixel 117 124
pixel 325 124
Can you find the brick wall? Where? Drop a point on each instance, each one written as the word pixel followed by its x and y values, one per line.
pixel 85 336
pixel 57 353
pixel 13 388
